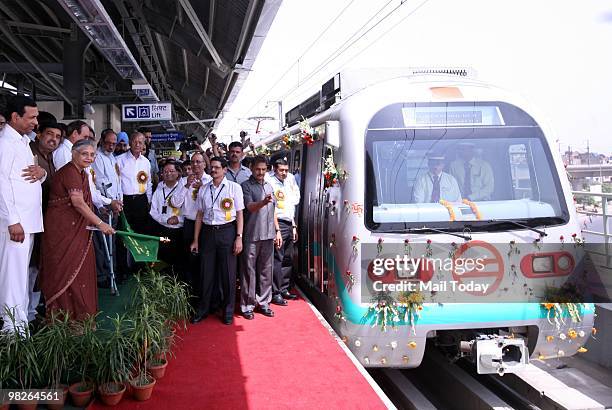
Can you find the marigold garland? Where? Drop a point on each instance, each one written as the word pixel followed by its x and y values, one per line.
pixel 474 208
pixel 449 208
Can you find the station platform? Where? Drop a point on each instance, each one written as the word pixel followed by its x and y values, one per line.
pixel 291 361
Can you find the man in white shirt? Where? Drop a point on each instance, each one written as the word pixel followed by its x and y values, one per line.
pixel 193 183
pixel 77 130
pixel 436 185
pixel 287 195
pixel 135 175
pixel 168 218
pixel 20 208
pixel 474 175
pixel 104 173
pixel 220 218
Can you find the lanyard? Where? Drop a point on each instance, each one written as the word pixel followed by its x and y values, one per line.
pixel 212 205
pixel 235 177
pixel 169 193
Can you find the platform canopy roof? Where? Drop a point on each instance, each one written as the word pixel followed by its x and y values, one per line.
pixel 194 53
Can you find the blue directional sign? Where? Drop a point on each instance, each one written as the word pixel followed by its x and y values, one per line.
pixel 168 137
pixel 147 112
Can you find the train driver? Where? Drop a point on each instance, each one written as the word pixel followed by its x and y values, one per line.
pixel 474 175
pixel 436 184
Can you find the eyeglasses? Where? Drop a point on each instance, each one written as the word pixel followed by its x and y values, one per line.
pixel 168 172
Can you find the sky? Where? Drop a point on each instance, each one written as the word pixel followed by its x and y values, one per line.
pixel 556 54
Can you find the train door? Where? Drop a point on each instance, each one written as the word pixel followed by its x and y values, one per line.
pixel 312 211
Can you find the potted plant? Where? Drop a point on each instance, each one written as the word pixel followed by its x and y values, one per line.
pixel 158 358
pixel 22 359
pixel 55 345
pixel 86 345
pixel 147 334
pixel 115 359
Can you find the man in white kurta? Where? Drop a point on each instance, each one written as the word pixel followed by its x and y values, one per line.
pixel 20 209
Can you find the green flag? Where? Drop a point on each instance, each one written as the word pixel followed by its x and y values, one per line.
pixel 142 247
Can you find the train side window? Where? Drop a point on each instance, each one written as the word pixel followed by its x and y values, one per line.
pixel 520 171
pixel 296 168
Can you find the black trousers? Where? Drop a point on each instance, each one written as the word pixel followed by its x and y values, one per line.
pixel 170 252
pixel 192 266
pixel 136 209
pixel 218 266
pixel 283 259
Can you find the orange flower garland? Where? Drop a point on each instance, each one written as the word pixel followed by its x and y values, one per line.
pixel 474 208
pixel 449 208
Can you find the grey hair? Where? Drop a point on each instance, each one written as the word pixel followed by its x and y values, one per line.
pixel 83 143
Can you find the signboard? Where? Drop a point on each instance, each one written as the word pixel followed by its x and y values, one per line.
pixel 147 112
pixel 143 90
pixel 168 136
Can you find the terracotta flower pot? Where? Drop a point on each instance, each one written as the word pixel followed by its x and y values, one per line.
pixel 158 370
pixel 81 393
pixel 111 393
pixel 59 406
pixel 142 392
pixel 30 405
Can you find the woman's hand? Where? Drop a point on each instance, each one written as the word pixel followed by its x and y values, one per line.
pixel 106 229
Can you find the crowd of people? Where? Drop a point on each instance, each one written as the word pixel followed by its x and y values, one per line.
pixel 62 191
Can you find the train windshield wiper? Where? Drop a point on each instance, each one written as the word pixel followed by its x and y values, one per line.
pixel 429 229
pixel 523 223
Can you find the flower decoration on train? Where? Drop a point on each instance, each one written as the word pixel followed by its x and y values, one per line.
pixel 407 247
pixel 332 240
pixel 411 305
pixel 263 150
pixel 339 314
pixel 453 250
pixel 355 243
pixel 331 174
pixel 474 208
pixel 428 249
pixel 513 250
pixel 562 241
pixel 308 134
pixel 347 206
pixel 379 245
pixel 290 140
pixel 449 208
pixel 537 242
pixel 350 279
pixel 382 312
pixel 562 302
pixel 578 242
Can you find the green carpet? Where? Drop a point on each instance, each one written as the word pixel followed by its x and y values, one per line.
pixel 110 305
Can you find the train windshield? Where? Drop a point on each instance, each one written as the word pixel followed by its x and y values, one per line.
pixel 458 165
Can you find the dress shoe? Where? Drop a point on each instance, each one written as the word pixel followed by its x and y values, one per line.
pixel 199 317
pixel 266 311
pixel 228 320
pixel 289 296
pixel 248 315
pixel 278 300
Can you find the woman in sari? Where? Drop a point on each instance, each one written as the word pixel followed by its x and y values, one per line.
pixel 68 271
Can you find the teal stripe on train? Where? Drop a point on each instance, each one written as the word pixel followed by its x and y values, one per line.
pixel 436 314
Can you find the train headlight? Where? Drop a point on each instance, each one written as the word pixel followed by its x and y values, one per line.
pixel 542 264
pixel 564 262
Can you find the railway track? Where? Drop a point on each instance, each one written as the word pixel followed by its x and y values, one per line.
pixel 440 384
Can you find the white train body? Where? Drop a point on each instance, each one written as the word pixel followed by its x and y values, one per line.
pixel 379 132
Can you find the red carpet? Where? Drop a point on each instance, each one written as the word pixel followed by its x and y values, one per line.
pixel 286 362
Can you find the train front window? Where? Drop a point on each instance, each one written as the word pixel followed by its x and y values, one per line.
pixel 457 176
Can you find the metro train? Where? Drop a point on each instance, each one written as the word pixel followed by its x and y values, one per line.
pixel 361 148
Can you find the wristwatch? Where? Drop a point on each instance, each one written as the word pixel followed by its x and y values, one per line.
pixel 239 235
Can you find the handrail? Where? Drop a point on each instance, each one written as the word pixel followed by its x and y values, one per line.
pixel 605 218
